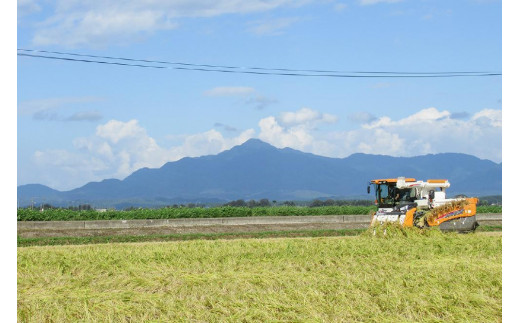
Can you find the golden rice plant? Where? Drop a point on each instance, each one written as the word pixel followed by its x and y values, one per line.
pixel 390 230
pixel 445 278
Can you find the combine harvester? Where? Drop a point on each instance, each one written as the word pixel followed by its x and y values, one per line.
pixel 422 204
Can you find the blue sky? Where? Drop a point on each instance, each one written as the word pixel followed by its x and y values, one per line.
pixel 81 122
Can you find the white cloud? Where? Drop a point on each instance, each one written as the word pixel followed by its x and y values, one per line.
pixel 99 23
pixel 99 28
pixel 273 26
pixel 298 137
pixel 296 130
pixel 62 169
pixel 429 116
pixel 118 148
pixel 430 131
pixel 382 142
pixel 490 117
pixel 116 130
pixel 424 132
pixel 306 116
pixel 301 116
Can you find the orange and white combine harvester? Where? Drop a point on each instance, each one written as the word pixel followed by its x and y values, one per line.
pixel 422 204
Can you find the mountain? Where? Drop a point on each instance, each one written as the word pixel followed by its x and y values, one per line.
pixel 256 170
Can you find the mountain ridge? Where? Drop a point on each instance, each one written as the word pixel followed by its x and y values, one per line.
pixel 257 169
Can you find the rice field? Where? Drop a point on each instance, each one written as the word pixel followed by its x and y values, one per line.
pixel 384 278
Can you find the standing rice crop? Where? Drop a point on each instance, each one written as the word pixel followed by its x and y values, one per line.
pixel 415 278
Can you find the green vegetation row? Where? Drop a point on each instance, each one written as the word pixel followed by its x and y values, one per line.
pixel 198 212
pixel 489 209
pixel 390 278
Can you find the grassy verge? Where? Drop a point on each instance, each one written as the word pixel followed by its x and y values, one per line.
pixel 51 241
pixel 445 277
pixel 489 228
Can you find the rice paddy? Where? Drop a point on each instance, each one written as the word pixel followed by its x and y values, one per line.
pixel 406 278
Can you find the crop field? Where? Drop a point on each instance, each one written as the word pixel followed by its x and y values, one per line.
pixel 410 276
pixel 199 212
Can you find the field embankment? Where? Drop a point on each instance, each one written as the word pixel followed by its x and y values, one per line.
pixel 441 277
pixel 104 231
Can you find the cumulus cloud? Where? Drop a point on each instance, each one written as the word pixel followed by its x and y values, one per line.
pixel 429 115
pixel 306 116
pixel 297 130
pixel 430 131
pixel 99 23
pixel 489 117
pixel 115 130
pixel 393 144
pixel 118 148
pixel 297 137
pixel 427 131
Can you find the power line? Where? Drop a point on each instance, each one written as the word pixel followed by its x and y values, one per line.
pixel 245 70
pixel 89 61
pixel 237 67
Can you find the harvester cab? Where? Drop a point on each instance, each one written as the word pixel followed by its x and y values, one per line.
pixel 422 203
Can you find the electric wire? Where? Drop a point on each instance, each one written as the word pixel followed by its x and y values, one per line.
pixel 245 70
pixel 236 67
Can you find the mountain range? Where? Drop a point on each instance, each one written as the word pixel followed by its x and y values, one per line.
pixel 256 170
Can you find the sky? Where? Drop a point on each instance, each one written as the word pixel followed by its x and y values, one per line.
pixel 79 122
